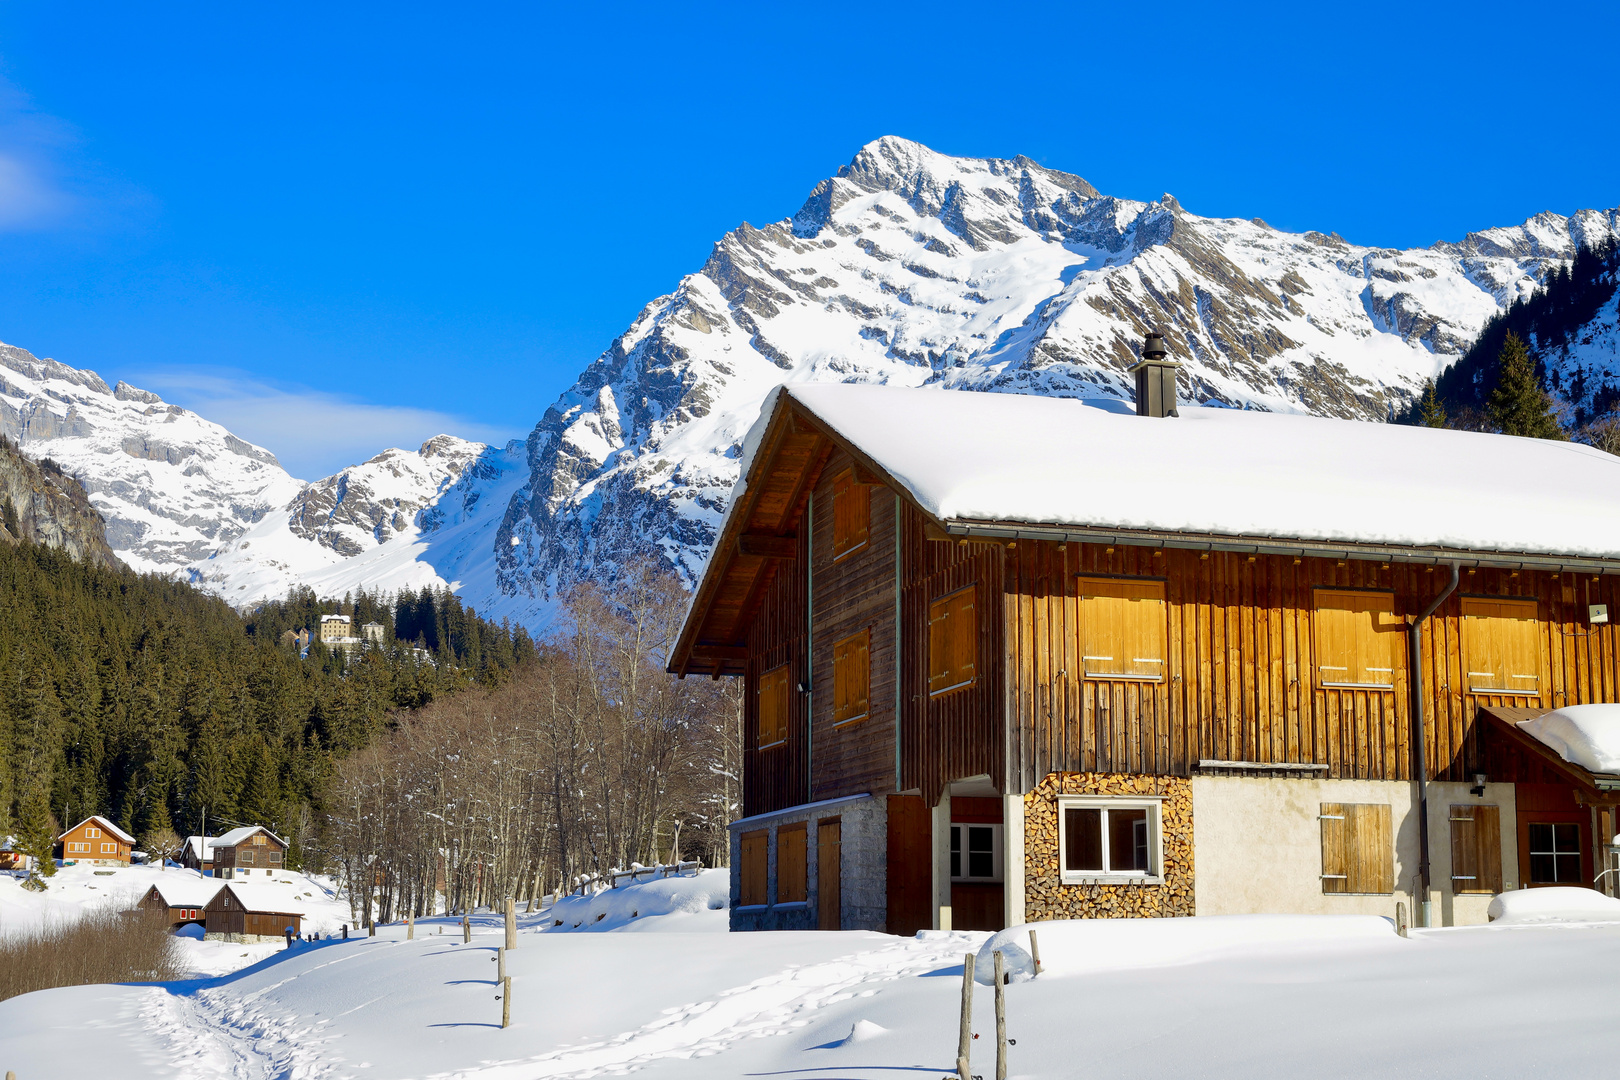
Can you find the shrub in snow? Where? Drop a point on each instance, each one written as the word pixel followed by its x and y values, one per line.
pixel 631 907
pixel 1556 904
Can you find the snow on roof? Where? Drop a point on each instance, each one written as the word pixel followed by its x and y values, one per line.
pixel 1587 735
pixel 236 836
pixel 334 618
pixel 185 890
pixel 1022 458
pixel 105 824
pixel 269 896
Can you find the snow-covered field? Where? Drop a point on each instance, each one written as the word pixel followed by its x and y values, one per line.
pixel 76 888
pixel 1251 997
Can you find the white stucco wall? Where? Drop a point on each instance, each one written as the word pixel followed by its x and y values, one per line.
pixel 1257 846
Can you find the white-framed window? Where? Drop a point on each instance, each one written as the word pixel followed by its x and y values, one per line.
pixel 1104 838
pixel 109 848
pixel 91 833
pixel 975 852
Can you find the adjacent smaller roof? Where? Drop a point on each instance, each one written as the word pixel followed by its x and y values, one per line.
pixel 1585 735
pixel 185 890
pixel 237 836
pixel 112 829
pixel 265 898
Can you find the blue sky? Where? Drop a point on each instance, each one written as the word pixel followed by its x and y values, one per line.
pixel 339 227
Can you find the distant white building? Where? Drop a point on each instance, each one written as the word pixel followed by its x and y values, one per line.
pixel 337 632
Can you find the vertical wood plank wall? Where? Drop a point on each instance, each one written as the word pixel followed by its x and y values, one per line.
pixel 853 594
pixel 1241 683
pixel 774 778
pixel 960 733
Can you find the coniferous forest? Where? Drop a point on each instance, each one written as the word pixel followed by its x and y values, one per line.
pixel 141 698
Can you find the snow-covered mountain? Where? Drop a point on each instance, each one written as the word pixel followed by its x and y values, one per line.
pixel 907 267
pixel 171 486
pixel 915 268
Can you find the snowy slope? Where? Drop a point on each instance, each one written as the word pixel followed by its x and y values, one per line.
pixel 1235 998
pixel 171 485
pixel 912 268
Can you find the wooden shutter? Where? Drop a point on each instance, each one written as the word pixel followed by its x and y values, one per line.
pixel 1501 646
pixel 792 871
pixel 1358 639
pixel 852 677
pixel 773 706
pixel 953 641
pixel 1124 629
pixel 1357 848
pixel 754 865
pixel 852 512
pixel 1476 849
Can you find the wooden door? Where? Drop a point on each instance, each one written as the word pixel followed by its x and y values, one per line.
pixel 828 876
pixel 911 865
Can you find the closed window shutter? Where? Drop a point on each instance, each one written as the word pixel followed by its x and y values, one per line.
pixel 773 706
pixel 852 504
pixel 953 641
pixel 1124 629
pixel 1501 646
pixel 1357 852
pixel 1358 639
pixel 852 677
pixel 1476 849
pixel 791 864
pixel 754 866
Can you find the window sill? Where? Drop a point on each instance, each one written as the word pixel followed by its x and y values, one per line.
pixel 1111 879
pixel 751 909
pixel 1124 678
pixel 1503 693
pixel 933 694
pixel 1384 687
pixel 793 905
pixel 976 881
pixel 774 745
pixel 850 721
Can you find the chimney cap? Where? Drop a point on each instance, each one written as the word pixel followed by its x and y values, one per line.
pixel 1153 348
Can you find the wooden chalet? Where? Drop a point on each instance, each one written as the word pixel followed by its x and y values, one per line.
pixel 184 900
pixel 241 853
pixel 96 841
pixel 1011 658
pixel 240 912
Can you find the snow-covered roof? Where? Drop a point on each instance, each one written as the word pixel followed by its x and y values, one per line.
pixel 112 829
pixel 180 889
pixel 1017 458
pixel 268 896
pixel 334 618
pixel 238 835
pixel 1586 735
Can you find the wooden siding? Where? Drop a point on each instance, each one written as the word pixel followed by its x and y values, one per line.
pixel 773 779
pixel 853 593
pixel 1241 684
pixel 960 733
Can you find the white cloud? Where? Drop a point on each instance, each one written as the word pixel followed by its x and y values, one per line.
pixel 312 432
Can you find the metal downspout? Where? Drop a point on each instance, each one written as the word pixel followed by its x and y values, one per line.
pixel 1419 735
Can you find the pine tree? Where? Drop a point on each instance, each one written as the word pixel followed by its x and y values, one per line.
pixel 1518 405
pixel 1431 410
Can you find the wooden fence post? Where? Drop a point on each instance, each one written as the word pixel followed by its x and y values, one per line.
pixel 964 1038
pixel 1035 951
pixel 506 1001
pixel 466 930
pixel 410 928
pixel 1001 1017
pixel 1400 917
pixel 511 923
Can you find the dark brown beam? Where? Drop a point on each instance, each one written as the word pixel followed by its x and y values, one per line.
pixel 768 547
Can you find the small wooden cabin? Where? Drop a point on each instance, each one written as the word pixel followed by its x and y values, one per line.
pixel 1002 652
pixel 243 912
pixel 184 900
pixel 97 841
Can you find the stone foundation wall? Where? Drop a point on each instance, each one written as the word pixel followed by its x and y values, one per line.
pixel 1045 895
pixel 863 877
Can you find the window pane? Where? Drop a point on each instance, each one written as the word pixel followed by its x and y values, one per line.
pixel 981 852
pixel 1128 840
pixel 1082 828
pixel 956 851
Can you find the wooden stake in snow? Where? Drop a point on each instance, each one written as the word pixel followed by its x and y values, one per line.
pixel 964 1039
pixel 1001 1017
pixel 500 965
pixel 466 930
pixel 1400 917
pixel 506 1001
pixel 1035 951
pixel 511 923
pixel 410 928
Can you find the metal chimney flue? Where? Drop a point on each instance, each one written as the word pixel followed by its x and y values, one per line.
pixel 1155 379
